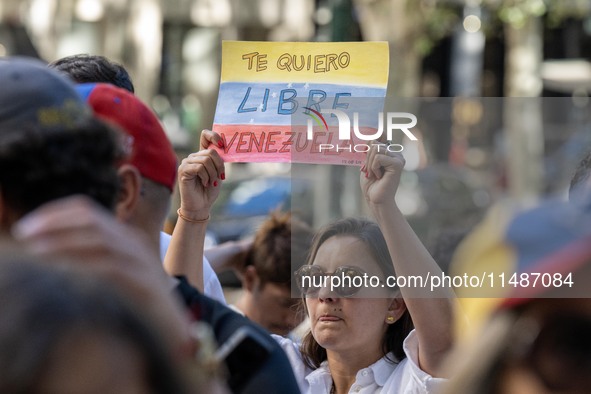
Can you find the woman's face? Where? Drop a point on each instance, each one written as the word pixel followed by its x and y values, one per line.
pixel 355 324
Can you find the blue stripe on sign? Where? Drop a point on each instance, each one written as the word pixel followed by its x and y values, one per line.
pixel 274 103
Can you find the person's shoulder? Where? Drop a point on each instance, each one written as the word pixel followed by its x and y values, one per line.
pixel 300 370
pixel 212 286
pixel 223 320
pixel 407 375
pixel 164 242
pixel 408 378
pixel 288 345
pixel 275 374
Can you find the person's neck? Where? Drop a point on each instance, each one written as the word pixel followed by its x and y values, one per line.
pixel 150 230
pixel 153 241
pixel 244 303
pixel 344 366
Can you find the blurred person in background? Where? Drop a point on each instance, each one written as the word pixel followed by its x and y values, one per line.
pixel 64 330
pixel 41 119
pixel 59 187
pixel 148 176
pixel 86 68
pixel 280 247
pixel 152 154
pixel 537 337
pixel 50 144
pixel 148 140
pixel 483 237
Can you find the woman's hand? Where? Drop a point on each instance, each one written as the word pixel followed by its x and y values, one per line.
pixel 380 175
pixel 199 177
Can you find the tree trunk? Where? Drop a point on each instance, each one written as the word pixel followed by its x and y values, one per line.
pixel 522 110
pixel 398 22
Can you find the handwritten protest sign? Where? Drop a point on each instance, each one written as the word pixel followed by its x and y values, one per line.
pixel 295 102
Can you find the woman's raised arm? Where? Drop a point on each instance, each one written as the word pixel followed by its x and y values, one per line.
pixel 199 178
pixel 431 309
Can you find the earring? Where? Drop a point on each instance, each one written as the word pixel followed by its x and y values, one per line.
pixel 390 319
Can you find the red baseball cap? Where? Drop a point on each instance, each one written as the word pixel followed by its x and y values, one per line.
pixel 151 151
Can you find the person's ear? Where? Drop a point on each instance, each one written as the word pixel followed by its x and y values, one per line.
pixel 129 195
pixel 395 310
pixel 250 279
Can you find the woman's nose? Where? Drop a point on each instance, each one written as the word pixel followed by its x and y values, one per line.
pixel 326 295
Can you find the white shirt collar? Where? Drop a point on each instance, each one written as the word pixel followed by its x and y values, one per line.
pixel 378 373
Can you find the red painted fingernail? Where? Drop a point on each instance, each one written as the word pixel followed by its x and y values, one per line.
pixel 220 143
pixel 215 183
pixel 223 176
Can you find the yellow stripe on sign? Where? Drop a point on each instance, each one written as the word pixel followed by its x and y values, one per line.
pixel 347 63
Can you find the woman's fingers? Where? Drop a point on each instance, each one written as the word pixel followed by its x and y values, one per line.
pixel 208 138
pixel 206 165
pixel 380 160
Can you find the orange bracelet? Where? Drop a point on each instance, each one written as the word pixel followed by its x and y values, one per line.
pixel 178 212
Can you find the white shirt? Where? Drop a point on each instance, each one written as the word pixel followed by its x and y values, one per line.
pixel 212 286
pixel 381 377
pixel 235 309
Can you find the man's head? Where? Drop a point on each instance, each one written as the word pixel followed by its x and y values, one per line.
pixel 92 68
pixel 50 144
pixel 280 247
pixel 150 153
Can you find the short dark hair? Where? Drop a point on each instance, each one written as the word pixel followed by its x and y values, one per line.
pixel 370 234
pixel 581 175
pixel 86 68
pixel 39 165
pixel 280 247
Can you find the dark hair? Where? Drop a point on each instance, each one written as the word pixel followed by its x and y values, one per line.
pixel 280 247
pixel 85 68
pixel 39 165
pixel 581 175
pixel 43 303
pixel 369 233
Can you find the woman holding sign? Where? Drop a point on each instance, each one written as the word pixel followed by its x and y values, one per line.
pixel 362 338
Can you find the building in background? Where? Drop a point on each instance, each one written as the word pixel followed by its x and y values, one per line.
pixel 439 48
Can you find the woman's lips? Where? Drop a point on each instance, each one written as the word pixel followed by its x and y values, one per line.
pixel 328 318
